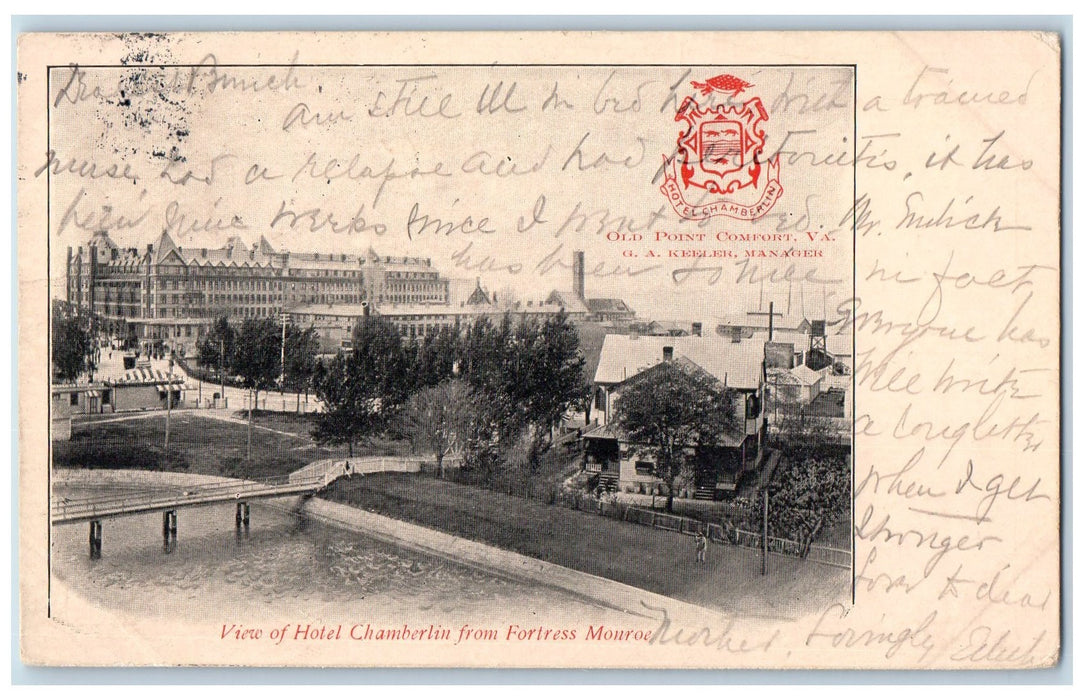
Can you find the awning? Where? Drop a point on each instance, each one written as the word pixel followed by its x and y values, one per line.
pixel 92 394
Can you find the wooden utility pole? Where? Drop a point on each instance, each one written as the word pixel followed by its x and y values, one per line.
pixel 764 536
pixel 771 313
pixel 282 367
pixel 222 369
pixel 248 439
pixel 169 402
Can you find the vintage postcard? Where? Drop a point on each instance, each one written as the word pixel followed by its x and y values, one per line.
pixel 645 350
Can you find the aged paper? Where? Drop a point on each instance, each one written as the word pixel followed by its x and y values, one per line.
pixel 830 260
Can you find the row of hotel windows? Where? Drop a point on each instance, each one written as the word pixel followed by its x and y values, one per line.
pixel 247 285
pixel 242 311
pixel 179 273
pixel 231 271
pixel 411 292
pixel 427 290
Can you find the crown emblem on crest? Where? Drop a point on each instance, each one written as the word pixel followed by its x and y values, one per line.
pixel 718 163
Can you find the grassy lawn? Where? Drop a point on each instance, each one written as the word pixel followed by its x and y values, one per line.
pixel 197 444
pixel 277 420
pixel 657 560
pixel 302 427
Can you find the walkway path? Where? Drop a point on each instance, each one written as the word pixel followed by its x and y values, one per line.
pixel 222 414
pixel 602 591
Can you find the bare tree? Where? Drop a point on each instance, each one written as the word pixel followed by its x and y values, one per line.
pixel 437 418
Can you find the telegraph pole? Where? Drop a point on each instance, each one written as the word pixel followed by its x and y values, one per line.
pixel 764 536
pixel 222 369
pixel 248 437
pixel 282 367
pixel 169 402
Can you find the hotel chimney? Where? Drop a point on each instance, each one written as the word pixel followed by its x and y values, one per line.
pixel 577 274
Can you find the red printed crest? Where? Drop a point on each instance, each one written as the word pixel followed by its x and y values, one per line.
pixel 718 167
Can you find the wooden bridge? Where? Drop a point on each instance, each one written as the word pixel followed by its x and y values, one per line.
pixel 94 509
pixel 307 481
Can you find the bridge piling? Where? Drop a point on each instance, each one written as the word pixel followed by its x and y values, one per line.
pixel 242 517
pixel 95 539
pixel 169 527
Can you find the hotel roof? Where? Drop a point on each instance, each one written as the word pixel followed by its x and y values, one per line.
pixel 236 253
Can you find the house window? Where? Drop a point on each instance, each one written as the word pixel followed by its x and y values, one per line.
pixel 74 398
pixel 645 468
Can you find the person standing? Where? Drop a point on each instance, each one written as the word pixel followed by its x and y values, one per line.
pixel 701 548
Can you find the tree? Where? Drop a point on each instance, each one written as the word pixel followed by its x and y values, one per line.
pixel 301 349
pixel 378 352
pixel 486 433
pixel 362 390
pixel 812 487
pixel 484 352
pixel 256 360
pixel 217 348
pixel 344 419
pixel 72 343
pixel 544 377
pixel 556 379
pixel 670 411
pixel 437 418
pixel 800 433
pixel 436 357
pixel 808 494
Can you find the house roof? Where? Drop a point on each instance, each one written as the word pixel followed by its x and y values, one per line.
pixel 144 376
pixel 805 375
pixel 605 430
pixel 781 377
pixel 799 339
pixel 608 305
pixel 567 300
pixel 467 291
pixel 759 319
pixel 737 365
pixel 77 387
pixel 840 344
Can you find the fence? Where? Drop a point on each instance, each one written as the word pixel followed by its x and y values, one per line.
pixel 713 531
pixel 789 548
pixel 65 509
pixel 356 465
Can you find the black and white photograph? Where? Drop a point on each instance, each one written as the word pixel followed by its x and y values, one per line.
pixel 387 359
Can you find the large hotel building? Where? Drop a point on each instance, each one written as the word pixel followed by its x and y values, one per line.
pixel 166 296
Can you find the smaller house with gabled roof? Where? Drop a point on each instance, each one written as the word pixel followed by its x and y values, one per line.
pixel 737 366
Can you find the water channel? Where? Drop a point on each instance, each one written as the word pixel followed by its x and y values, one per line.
pixel 285 567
